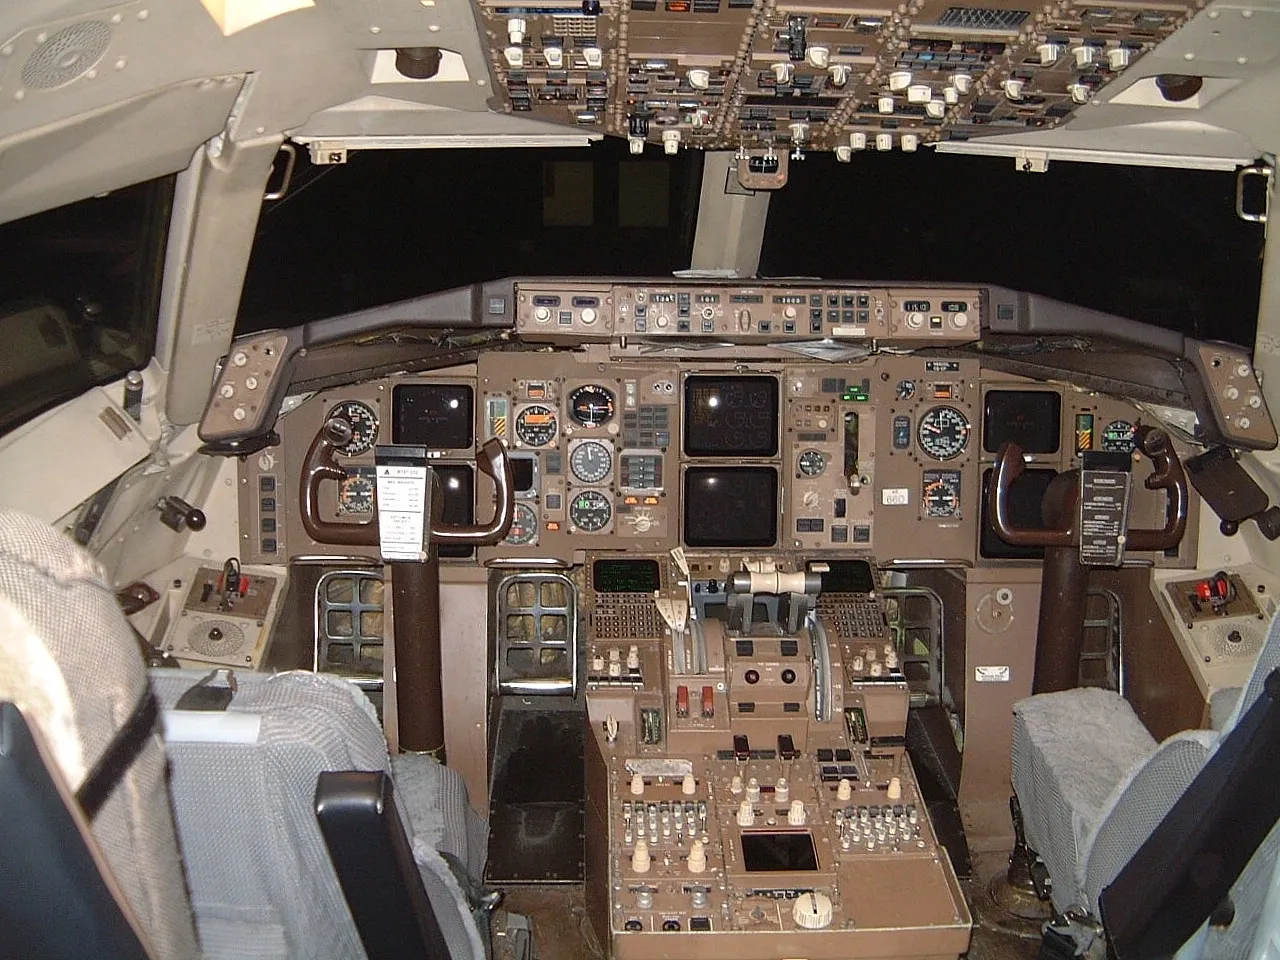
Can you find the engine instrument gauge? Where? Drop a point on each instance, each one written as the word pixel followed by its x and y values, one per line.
pixel 941 493
pixel 591 406
pixel 536 425
pixel 1118 436
pixel 943 433
pixel 355 493
pixel 906 389
pixel 364 426
pixel 811 463
pixel 524 525
pixel 590 511
pixel 590 461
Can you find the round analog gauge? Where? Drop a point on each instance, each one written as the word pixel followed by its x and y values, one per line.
pixel 590 511
pixel 942 495
pixel 364 426
pixel 590 461
pixel 524 525
pixel 355 493
pixel 591 406
pixel 943 433
pixel 906 389
pixel 1117 436
pixel 811 463
pixel 536 425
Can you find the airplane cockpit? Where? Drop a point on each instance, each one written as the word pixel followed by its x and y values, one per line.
pixel 633 480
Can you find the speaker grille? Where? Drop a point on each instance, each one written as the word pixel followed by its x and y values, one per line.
pixel 1232 640
pixel 67 55
pixel 215 638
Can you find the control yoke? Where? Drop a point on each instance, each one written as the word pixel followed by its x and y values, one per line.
pixel 1168 476
pixel 321 465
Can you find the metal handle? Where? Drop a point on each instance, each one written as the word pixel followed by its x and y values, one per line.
pixel 1268 175
pixel 291 158
pixel 321 465
pixel 1168 476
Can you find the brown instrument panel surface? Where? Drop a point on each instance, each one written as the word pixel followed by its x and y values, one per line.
pixel 760 74
pixel 849 451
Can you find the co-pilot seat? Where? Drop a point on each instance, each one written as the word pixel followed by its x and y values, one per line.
pixel 243 782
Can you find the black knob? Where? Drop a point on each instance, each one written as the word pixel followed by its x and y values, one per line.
pixel 788 676
pixel 215 634
pixel 418 63
pixel 752 676
pixel 1269 522
pixel 196 519
pixel 591 8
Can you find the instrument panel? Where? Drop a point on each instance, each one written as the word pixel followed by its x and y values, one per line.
pixel 779 77
pixel 724 441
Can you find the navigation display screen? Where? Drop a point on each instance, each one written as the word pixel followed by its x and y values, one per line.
pixel 437 416
pixel 625 576
pixel 731 416
pixel 1030 418
pixel 730 506
pixel 1024 510
pixel 847 576
pixel 459 485
pixel 778 852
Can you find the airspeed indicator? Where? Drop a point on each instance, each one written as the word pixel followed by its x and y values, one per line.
pixel 943 433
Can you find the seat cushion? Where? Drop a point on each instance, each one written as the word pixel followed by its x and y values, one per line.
pixel 1070 751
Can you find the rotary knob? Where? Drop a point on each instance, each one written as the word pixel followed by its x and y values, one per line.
pixel 813 911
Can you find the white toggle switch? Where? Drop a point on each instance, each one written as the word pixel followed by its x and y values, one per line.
pixel 688 786
pixel 936 109
pixel 884 141
pixel 594 57
pixel 796 815
pixel 950 96
pixel 799 131
pixel 554 56
pixel 844 789
pixel 782 790
pixel 895 788
pixel 697 857
pixel 640 858
pixel 963 83
pixel 1013 87
pixel 515 57
pixel 919 93
pixel 877 669
pixel 699 118
pixel 699 79
pixel 1118 57
pixel 615 669
pixel 844 153
pixel 633 652
pixel 909 142
pixel 515 31
pixel 746 815
pixel 735 785
pixel 1080 93
pixel 812 911
pixel 637 785
pixel 1084 54
pixel 753 790
pixel 839 74
pixel 899 80
pixel 885 104
pixel 859 664
pixel 782 71
pixel 597 664
pixel 818 56
pixel 857 141
pixel 636 145
pixel 1048 53
pixel 671 142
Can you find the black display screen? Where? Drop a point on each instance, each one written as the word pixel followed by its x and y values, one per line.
pixel 730 506
pixel 1025 496
pixel 778 852
pixel 459 486
pixel 437 416
pixel 731 416
pixel 522 473
pixel 847 576
pixel 625 576
pixel 1030 418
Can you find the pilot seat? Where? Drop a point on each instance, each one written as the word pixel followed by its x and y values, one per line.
pixel 265 853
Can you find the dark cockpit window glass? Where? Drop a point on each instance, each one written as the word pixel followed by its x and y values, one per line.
pixel 79 296
pixel 1161 246
pixel 394 224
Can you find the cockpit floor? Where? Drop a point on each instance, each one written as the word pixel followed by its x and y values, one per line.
pixel 995 936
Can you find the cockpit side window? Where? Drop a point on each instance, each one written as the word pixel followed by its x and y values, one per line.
pixel 79 296
pixel 393 224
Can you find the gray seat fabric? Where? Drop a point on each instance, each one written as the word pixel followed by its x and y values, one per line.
pixel 69 661
pixel 1093 785
pixel 262 884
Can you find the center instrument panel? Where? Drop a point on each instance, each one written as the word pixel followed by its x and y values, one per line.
pixel 794 75
pixel 648 417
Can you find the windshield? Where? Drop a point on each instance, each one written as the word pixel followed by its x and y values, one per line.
pixel 394 224
pixel 1157 245
pixel 79 296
